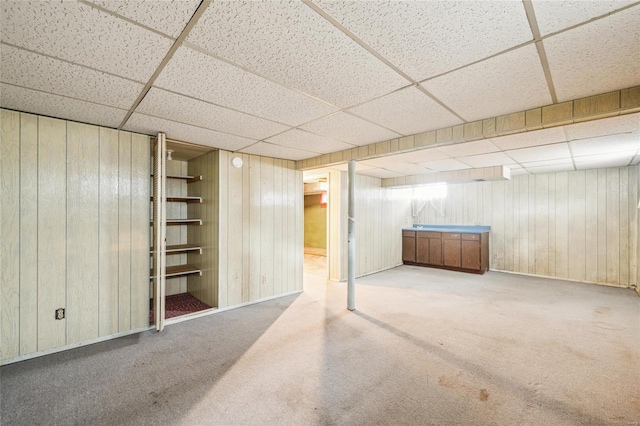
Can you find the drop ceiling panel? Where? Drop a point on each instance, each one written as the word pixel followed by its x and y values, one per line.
pixel 168 17
pixel 606 144
pixel 300 139
pixel 35 102
pixel 84 35
pixel 540 153
pixel 276 151
pixel 593 59
pixel 218 82
pixel 513 81
pixel 396 166
pixel 183 132
pixel 407 111
pixel 380 173
pixel 554 16
pixel 27 69
pixel 469 148
pixel 487 160
pixel 613 156
pixel 606 126
pixel 551 162
pixel 351 129
pixel 551 169
pixel 600 163
pixel 434 30
pixel 445 165
pixel 533 138
pixel 517 171
pixel 292 44
pixel 171 106
pixel 345 167
pixel 420 156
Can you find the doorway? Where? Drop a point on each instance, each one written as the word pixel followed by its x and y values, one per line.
pixel 316 200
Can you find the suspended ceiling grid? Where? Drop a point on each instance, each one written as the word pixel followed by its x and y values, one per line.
pixel 297 79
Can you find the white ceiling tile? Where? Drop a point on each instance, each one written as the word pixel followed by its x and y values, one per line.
pixel 551 162
pixel 292 44
pixel 171 106
pixel 469 148
pixel 420 156
pixel 551 169
pixel 601 163
pixel 34 71
pixel 218 82
pixel 486 160
pixel 532 138
pixel 345 167
pixel 299 139
pixel 612 156
pixel 606 144
pixel 351 129
pixel 407 111
pixel 445 165
pixel 84 35
pixel 513 81
pixel 553 15
pixel 603 127
pixel 517 170
pixel 434 30
pixel 596 57
pixel 183 132
pixel 540 153
pixel 168 17
pixel 636 160
pixel 396 166
pixel 35 102
pixel 266 149
pixel 380 173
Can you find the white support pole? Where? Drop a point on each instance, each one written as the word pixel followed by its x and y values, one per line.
pixel 351 240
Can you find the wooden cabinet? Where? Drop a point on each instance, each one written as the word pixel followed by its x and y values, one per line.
pixel 408 247
pixel 451 249
pixel 463 251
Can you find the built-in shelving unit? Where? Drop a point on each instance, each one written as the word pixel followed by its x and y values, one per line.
pixel 179 271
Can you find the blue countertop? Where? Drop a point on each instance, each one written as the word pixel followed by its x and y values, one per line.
pixel 461 229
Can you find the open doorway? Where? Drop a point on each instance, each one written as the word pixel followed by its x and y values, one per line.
pixel 316 197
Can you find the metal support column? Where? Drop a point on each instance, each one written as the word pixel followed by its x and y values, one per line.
pixel 351 240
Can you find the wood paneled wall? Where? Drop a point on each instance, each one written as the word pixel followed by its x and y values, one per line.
pixel 380 215
pixel 74 227
pixel 253 230
pixel 580 225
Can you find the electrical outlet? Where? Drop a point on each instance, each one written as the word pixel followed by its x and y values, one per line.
pixel 59 314
pixel 264 279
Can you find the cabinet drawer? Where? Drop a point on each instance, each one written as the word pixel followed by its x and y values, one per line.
pixel 433 234
pixel 471 237
pixel 422 234
pixel 409 234
pixel 450 236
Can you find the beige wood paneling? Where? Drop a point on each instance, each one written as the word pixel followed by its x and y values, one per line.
pixel 83 173
pixel 140 231
pixel 124 231
pixel 578 225
pixel 52 220
pixel 10 232
pixel 255 170
pixel 28 233
pixel 109 233
pixel 267 202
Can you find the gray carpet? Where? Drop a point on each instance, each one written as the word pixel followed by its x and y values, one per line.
pixel 424 347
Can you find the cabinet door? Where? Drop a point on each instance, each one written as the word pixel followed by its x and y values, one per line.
pixel 435 251
pixel 422 250
pixel 471 255
pixel 409 249
pixel 452 253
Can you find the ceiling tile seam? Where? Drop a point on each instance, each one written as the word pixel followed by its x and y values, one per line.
pixel 64 96
pixel 257 74
pixel 199 127
pixel 71 62
pixel 597 18
pixel 313 133
pixel 375 53
pixel 535 30
pixel 172 50
pixel 124 18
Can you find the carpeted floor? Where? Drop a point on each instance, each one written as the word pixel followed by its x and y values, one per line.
pixel 425 347
pixel 180 304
